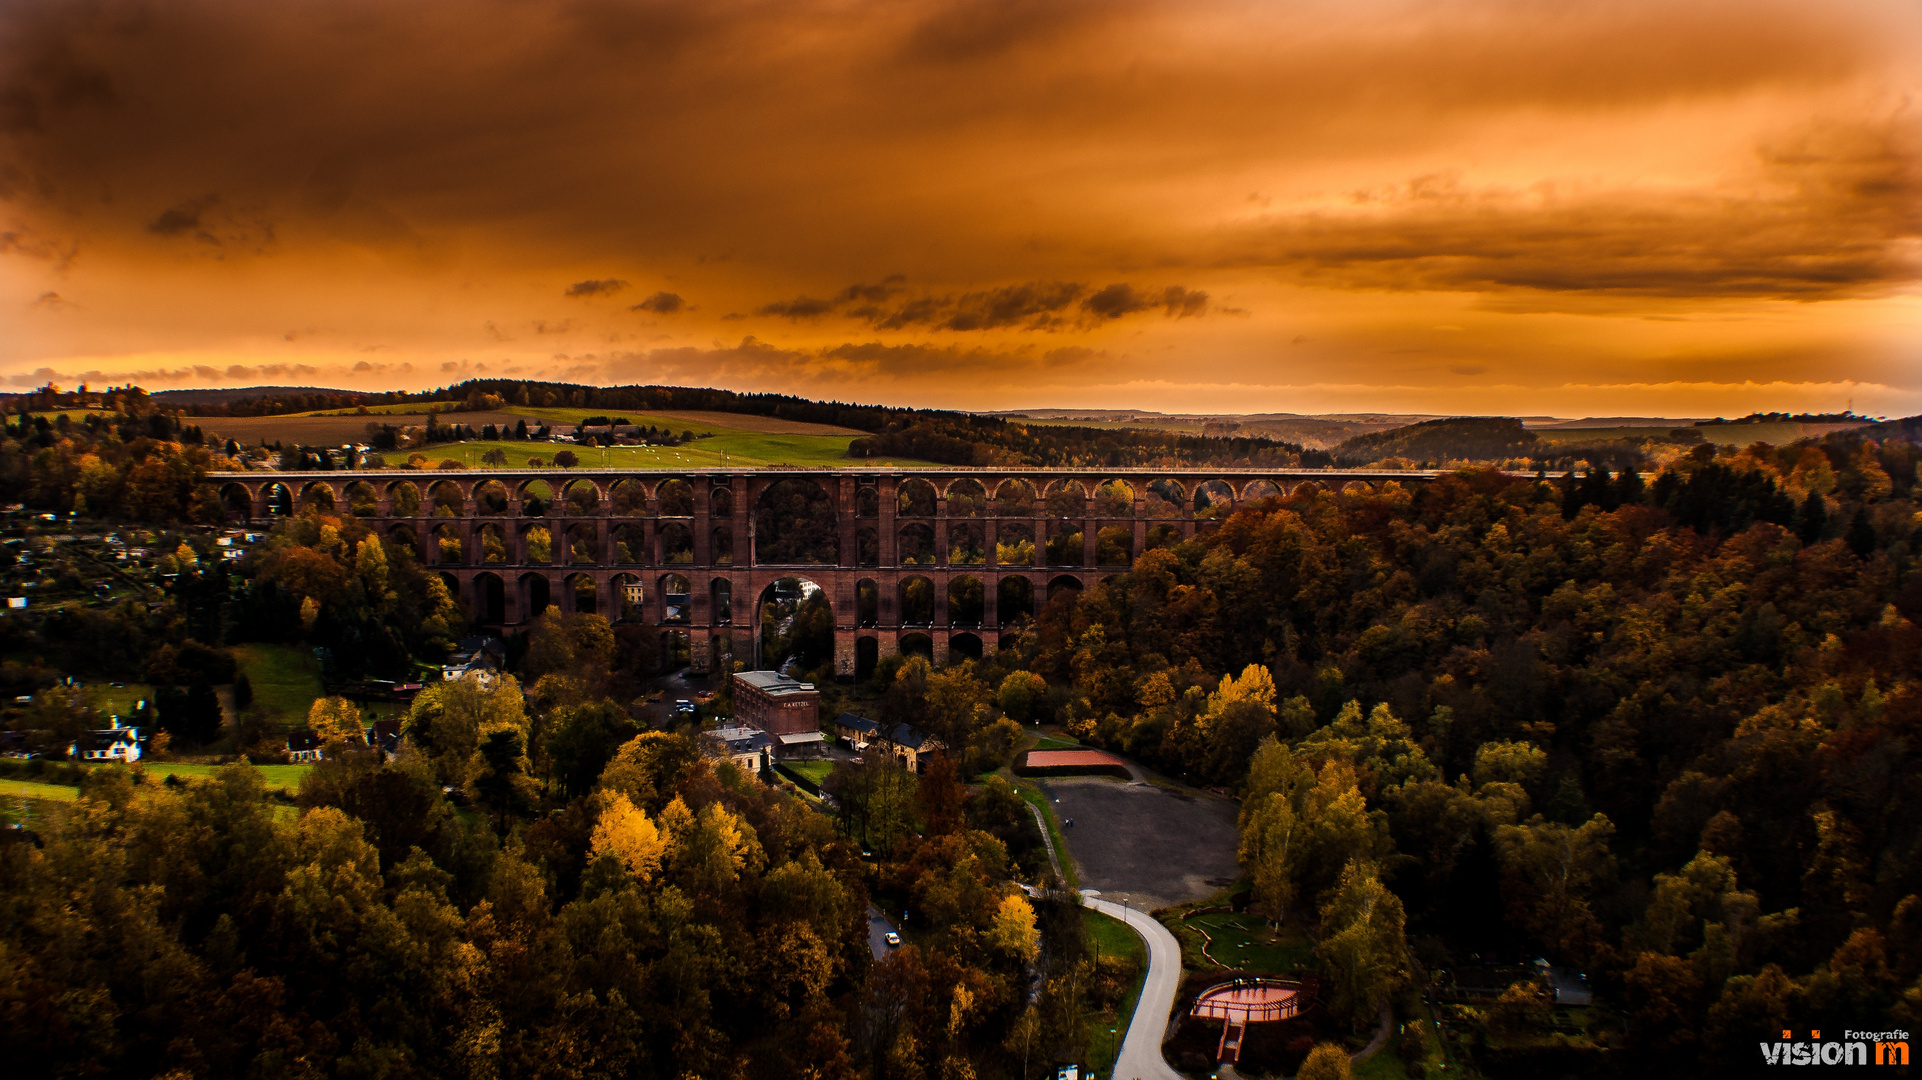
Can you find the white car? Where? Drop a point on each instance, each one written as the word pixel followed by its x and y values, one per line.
pixel 892 940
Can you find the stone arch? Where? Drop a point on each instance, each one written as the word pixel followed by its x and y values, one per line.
pixel 966 498
pixel 914 544
pixel 630 544
pixel 1061 583
pixel 966 546
pixel 917 644
pixel 1306 489
pixel 1166 498
pixel 451 582
pixel 1162 535
pixel 1114 545
pixel 317 496
pixel 537 544
pixel 581 593
pixel 1114 499
pixel 1066 543
pixel 363 499
pixel 676 602
pixel 720 594
pixel 964 646
pixel 491 498
pixel 1259 489
pixel 916 601
pixel 627 598
pixel 795 525
pixel 720 501
pixel 867 603
pixel 1067 499
pixel 583 497
pixel 1214 499
pixel 449 545
pixel 1014 543
pixel 675 497
pixel 677 543
pixel 627 498
pixel 794 619
pixel 536 596
pixel 1014 599
pixel 491 539
pixel 446 499
pixel 677 649
pixel 537 496
pixel 583 544
pixel 1015 498
pixel 237 500
pixel 867 500
pixel 915 498
pixel 1357 487
pixel 490 598
pixel 967 600
pixel 867 656
pixel 867 546
pixel 402 535
pixel 403 499
pixel 720 544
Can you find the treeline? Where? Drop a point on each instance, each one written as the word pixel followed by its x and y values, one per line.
pixel 1664 735
pixel 990 440
pixel 1494 439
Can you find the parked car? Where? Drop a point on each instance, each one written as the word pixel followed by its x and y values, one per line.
pixel 892 940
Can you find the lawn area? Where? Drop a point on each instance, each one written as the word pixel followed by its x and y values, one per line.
pixel 1112 937
pixel 1056 742
pixel 734 450
pixel 286 680
pixel 1242 943
pixel 816 771
pixel 1038 799
pixel 33 789
pixel 278 777
pixel 24 801
pixel 119 700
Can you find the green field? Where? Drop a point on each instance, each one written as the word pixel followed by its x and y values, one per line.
pixel 1038 799
pixel 744 449
pixel 119 700
pixel 278 777
pixel 1111 937
pixel 33 789
pixel 286 680
pixel 1242 942
pixel 816 771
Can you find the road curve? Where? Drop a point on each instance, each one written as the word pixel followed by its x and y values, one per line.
pixel 1141 1049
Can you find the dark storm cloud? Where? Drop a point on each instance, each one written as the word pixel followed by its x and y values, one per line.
pixel 661 303
pixel 1117 300
pixel 596 287
pixel 1032 305
pixel 183 218
pixel 801 307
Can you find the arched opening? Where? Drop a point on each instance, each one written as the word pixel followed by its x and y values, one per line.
pixel 535 598
pixel 967 499
pixel 1114 545
pixel 1014 498
pixel 867 546
pixel 676 498
pixel 867 500
pixel 630 544
pixel 1014 544
pixel 675 649
pixel 1063 583
pixel 447 499
pixel 1307 489
pixel 490 597
pixel 677 543
pixel 1065 543
pixel 1115 499
pixel 537 545
pixel 582 594
pixel 1214 499
pixel 965 546
pixel 405 538
pixel 917 601
pixel 720 649
pixel 536 497
pixel 915 545
pixel 915 498
pixel 1014 599
pixel 796 625
pixel 317 498
pixel 867 654
pixel 675 604
pixel 583 497
pixel 1067 499
pixel 452 583
pixel 1260 489
pixel 583 545
pixel 794 525
pixel 237 501
pixel 720 501
pixel 966 600
pixel 627 498
pixel 490 498
pixel 629 597
pixel 493 543
pixel 447 545
pixel 1165 499
pixel 920 645
pixel 403 499
pixel 867 603
pixel 721 544
pixel 279 500
pixel 721 601
pixel 964 646
pixel 1163 535
pixel 1356 487
pixel 362 499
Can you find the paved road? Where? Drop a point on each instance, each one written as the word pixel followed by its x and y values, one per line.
pixel 1141 1049
pixel 878 929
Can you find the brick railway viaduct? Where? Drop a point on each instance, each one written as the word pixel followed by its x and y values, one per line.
pixel 930 561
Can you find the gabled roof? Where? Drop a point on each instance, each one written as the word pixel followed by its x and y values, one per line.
pixel 903 735
pixel 302 740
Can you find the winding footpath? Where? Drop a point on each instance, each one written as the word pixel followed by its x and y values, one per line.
pixel 1140 1057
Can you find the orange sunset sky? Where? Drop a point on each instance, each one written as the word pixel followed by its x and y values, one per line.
pixel 1515 206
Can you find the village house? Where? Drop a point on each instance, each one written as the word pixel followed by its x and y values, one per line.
pixel 775 703
pixel 904 742
pixel 747 747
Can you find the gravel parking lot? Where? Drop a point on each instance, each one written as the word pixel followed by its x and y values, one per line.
pixel 1149 845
